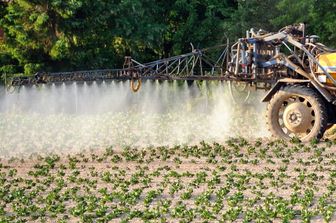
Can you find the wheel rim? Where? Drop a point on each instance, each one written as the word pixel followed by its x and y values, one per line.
pixel 239 92
pixel 297 117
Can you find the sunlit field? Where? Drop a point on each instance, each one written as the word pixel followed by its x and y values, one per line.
pixel 240 180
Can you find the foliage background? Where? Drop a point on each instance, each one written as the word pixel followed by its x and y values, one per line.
pixel 65 35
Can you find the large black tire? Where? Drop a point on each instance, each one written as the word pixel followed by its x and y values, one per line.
pixel 297 111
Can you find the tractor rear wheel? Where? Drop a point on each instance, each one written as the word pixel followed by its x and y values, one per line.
pixel 297 111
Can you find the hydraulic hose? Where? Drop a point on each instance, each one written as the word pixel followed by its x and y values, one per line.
pixel 136 84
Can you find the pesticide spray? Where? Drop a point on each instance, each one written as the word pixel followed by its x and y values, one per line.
pixel 73 117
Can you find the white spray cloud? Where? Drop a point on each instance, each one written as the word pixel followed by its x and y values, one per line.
pixel 80 116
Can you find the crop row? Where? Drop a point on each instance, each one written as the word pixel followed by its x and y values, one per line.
pixel 236 181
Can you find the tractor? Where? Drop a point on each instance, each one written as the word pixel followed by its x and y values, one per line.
pixel 301 103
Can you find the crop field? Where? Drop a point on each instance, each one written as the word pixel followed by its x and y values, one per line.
pixel 240 180
pixel 160 158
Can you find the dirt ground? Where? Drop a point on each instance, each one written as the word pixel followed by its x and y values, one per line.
pixel 237 181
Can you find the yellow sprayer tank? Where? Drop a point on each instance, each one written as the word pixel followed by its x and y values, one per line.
pixel 328 62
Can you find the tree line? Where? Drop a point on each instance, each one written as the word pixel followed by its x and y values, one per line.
pixel 66 35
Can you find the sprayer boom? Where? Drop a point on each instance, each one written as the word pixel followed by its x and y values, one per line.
pixel 192 66
pixel 200 64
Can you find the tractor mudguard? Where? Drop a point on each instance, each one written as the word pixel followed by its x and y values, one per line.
pixel 326 95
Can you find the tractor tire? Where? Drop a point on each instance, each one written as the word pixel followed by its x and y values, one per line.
pixel 297 111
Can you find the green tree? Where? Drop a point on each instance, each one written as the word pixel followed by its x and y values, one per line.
pixel 34 34
pixel 197 22
pixel 319 16
pixel 65 35
pixel 247 14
